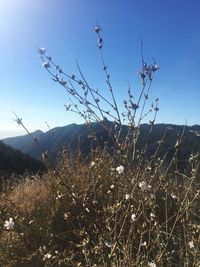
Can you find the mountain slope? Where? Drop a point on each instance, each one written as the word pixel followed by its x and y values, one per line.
pixel 12 160
pixel 74 136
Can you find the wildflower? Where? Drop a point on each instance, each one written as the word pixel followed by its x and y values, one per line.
pixel 112 186
pixel 47 256
pixel 92 163
pixel 120 169
pixel 9 224
pixel 151 264
pixel 59 195
pixel 66 216
pixel 143 186
pixel 107 244
pixel 97 29
pixel 191 244
pixel 41 50
pixel 87 210
pixel 173 196
pixel 127 196
pixel 152 215
pixel 133 217
pixel 144 244
pixel 155 67
pixel 46 65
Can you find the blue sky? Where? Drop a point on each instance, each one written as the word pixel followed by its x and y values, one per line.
pixel 171 34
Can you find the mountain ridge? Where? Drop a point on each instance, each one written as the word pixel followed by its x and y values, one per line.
pixel 74 135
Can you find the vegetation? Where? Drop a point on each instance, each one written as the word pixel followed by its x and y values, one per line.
pixel 117 207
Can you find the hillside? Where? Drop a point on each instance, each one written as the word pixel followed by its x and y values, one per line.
pixel 74 136
pixel 12 160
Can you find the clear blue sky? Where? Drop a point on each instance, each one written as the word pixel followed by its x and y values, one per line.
pixel 170 30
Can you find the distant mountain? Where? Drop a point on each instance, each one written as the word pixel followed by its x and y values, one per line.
pixel 12 160
pixel 76 136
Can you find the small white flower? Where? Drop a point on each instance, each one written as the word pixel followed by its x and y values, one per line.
pixel 87 210
pixel 112 186
pixel 9 224
pixel 46 65
pixel 120 169
pixel 41 50
pixel 59 195
pixel 151 264
pixel 92 163
pixel 47 256
pixel 191 244
pixel 144 244
pixel 133 217
pixel 107 244
pixel 143 186
pixel 173 196
pixel 127 196
pixel 66 216
pixel 97 29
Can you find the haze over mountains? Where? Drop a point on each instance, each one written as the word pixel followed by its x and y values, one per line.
pixel 75 136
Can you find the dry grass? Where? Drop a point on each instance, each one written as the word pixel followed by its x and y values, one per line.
pixel 87 214
pixel 31 194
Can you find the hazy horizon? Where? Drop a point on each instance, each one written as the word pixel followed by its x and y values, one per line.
pixel 14 133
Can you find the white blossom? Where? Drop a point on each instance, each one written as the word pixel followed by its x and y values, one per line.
pixel 46 65
pixel 151 264
pixel 41 50
pixel 143 186
pixel 92 163
pixel 127 196
pixel 144 244
pixel 107 244
pixel 120 169
pixel 47 256
pixel 133 217
pixel 97 29
pixel 9 224
pixel 191 244
pixel 173 196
